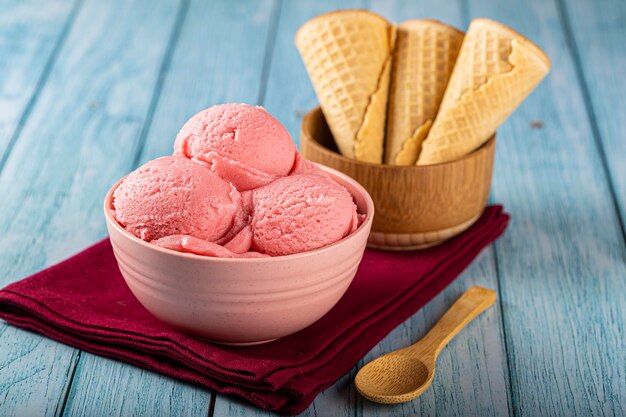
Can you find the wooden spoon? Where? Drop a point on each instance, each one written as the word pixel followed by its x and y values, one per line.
pixel 404 374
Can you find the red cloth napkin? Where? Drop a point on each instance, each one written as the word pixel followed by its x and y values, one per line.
pixel 84 302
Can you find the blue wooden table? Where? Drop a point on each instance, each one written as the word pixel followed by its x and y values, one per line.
pixel 90 89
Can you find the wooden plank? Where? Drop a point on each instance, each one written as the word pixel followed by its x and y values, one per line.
pixel 598 31
pixel 104 387
pixel 472 373
pixel 80 137
pixel 217 58
pixel 34 373
pixel 561 264
pixel 471 377
pixel 30 36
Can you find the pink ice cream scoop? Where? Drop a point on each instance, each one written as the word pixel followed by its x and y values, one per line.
pixel 173 195
pixel 300 213
pixel 243 144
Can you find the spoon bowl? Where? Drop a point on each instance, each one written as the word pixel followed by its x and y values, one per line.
pixel 404 374
pixel 394 378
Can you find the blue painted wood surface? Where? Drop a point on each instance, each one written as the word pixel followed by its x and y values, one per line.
pixel 88 90
pixel 561 264
pixel 30 36
pixel 597 32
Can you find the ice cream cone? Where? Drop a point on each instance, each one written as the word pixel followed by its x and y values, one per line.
pixel 495 70
pixel 423 59
pixel 348 57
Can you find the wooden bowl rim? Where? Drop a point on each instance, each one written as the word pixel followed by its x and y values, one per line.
pixel 490 143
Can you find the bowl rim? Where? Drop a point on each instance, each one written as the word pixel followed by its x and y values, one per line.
pixel 363 228
pixel 309 137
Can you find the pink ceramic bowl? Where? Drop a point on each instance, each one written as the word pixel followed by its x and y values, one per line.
pixel 241 301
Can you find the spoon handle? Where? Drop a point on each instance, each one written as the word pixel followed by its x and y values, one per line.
pixel 465 309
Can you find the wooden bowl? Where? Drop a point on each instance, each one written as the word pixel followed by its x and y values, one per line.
pixel 415 206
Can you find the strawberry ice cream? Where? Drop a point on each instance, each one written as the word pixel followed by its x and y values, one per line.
pixel 243 144
pixel 300 213
pixel 173 195
pixel 235 188
pixel 190 244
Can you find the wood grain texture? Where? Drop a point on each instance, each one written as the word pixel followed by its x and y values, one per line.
pixel 78 139
pixel 30 36
pixel 34 373
pixel 597 30
pixel 561 263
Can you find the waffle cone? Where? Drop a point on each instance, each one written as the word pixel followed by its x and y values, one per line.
pixel 348 57
pixel 423 59
pixel 495 71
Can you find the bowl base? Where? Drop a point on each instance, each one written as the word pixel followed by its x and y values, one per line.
pixel 414 241
pixel 235 343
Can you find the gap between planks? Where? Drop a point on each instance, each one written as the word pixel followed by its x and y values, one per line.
pixel 72 372
pixel 566 24
pixel 269 50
